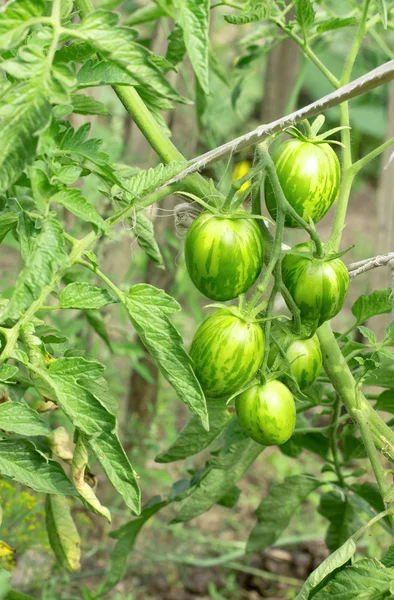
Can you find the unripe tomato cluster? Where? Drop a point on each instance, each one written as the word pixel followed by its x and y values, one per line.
pixel 224 257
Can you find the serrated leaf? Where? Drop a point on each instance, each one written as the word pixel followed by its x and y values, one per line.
pixel 46 255
pixel 96 321
pixel 369 491
pixel 76 385
pixel 15 19
pixel 62 533
pixel 8 222
pixel 336 23
pixel 68 174
pixel 367 579
pixel 388 558
pixel 19 418
pixel 277 508
pixel 117 44
pixel 78 468
pixel 176 49
pixel 20 461
pixel 147 181
pixel 148 309
pixel 368 334
pixel 72 199
pixel 145 14
pixel 24 113
pixel 87 105
pixel 82 295
pixel 193 17
pixel 336 560
pixel 102 72
pixel 218 479
pixel 146 239
pixel 338 509
pixel 305 14
pixel 377 303
pixel 126 537
pixel 193 438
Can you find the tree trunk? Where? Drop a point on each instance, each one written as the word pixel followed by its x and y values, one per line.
pixel 281 72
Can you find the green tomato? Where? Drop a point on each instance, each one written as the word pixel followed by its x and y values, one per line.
pixel 267 413
pixel 309 175
pixel 226 352
pixel 304 355
pixel 318 286
pixel 224 255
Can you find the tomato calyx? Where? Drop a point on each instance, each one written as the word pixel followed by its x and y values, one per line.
pixel 237 311
pixel 308 251
pixel 312 135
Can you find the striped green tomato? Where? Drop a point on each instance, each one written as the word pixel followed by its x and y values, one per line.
pixel 224 255
pixel 318 286
pixel 226 352
pixel 267 413
pixel 309 175
pixel 303 354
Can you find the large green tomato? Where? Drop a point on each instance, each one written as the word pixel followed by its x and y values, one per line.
pixel 304 355
pixel 318 286
pixel 224 255
pixel 309 175
pixel 226 351
pixel 267 413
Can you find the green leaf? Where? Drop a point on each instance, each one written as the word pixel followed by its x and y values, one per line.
pixel 218 479
pixel 24 113
pixel 21 419
pixel 72 199
pixel 8 222
pixel 102 72
pixel 148 309
pixel 146 239
pixel 76 384
pixel 68 174
pixel 145 14
pixel 193 438
pixel 383 377
pixel 336 23
pixel 118 45
pixel 368 334
pixel 382 8
pixel 20 460
pixel 370 492
pixel 305 14
pixel 115 464
pixel 343 517
pixel 253 11
pixel 377 303
pixel 126 537
pixel 7 371
pixel 82 295
pixel 388 558
pixel 15 19
pixel 277 508
pixel 385 401
pixel 78 469
pixel 87 105
pixel 176 50
pixel 62 533
pixel 46 254
pixel 231 498
pixel 96 321
pixel 367 579
pixel 193 17
pixel 147 181
pixel 335 561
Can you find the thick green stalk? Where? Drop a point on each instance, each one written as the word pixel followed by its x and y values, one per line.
pixel 344 384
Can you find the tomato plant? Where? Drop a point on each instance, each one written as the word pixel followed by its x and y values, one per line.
pixel 224 255
pixel 267 413
pixel 309 174
pixel 227 352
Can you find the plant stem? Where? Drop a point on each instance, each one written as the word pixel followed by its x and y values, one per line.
pixel 345 386
pixel 371 155
pixel 355 46
pixel 333 442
